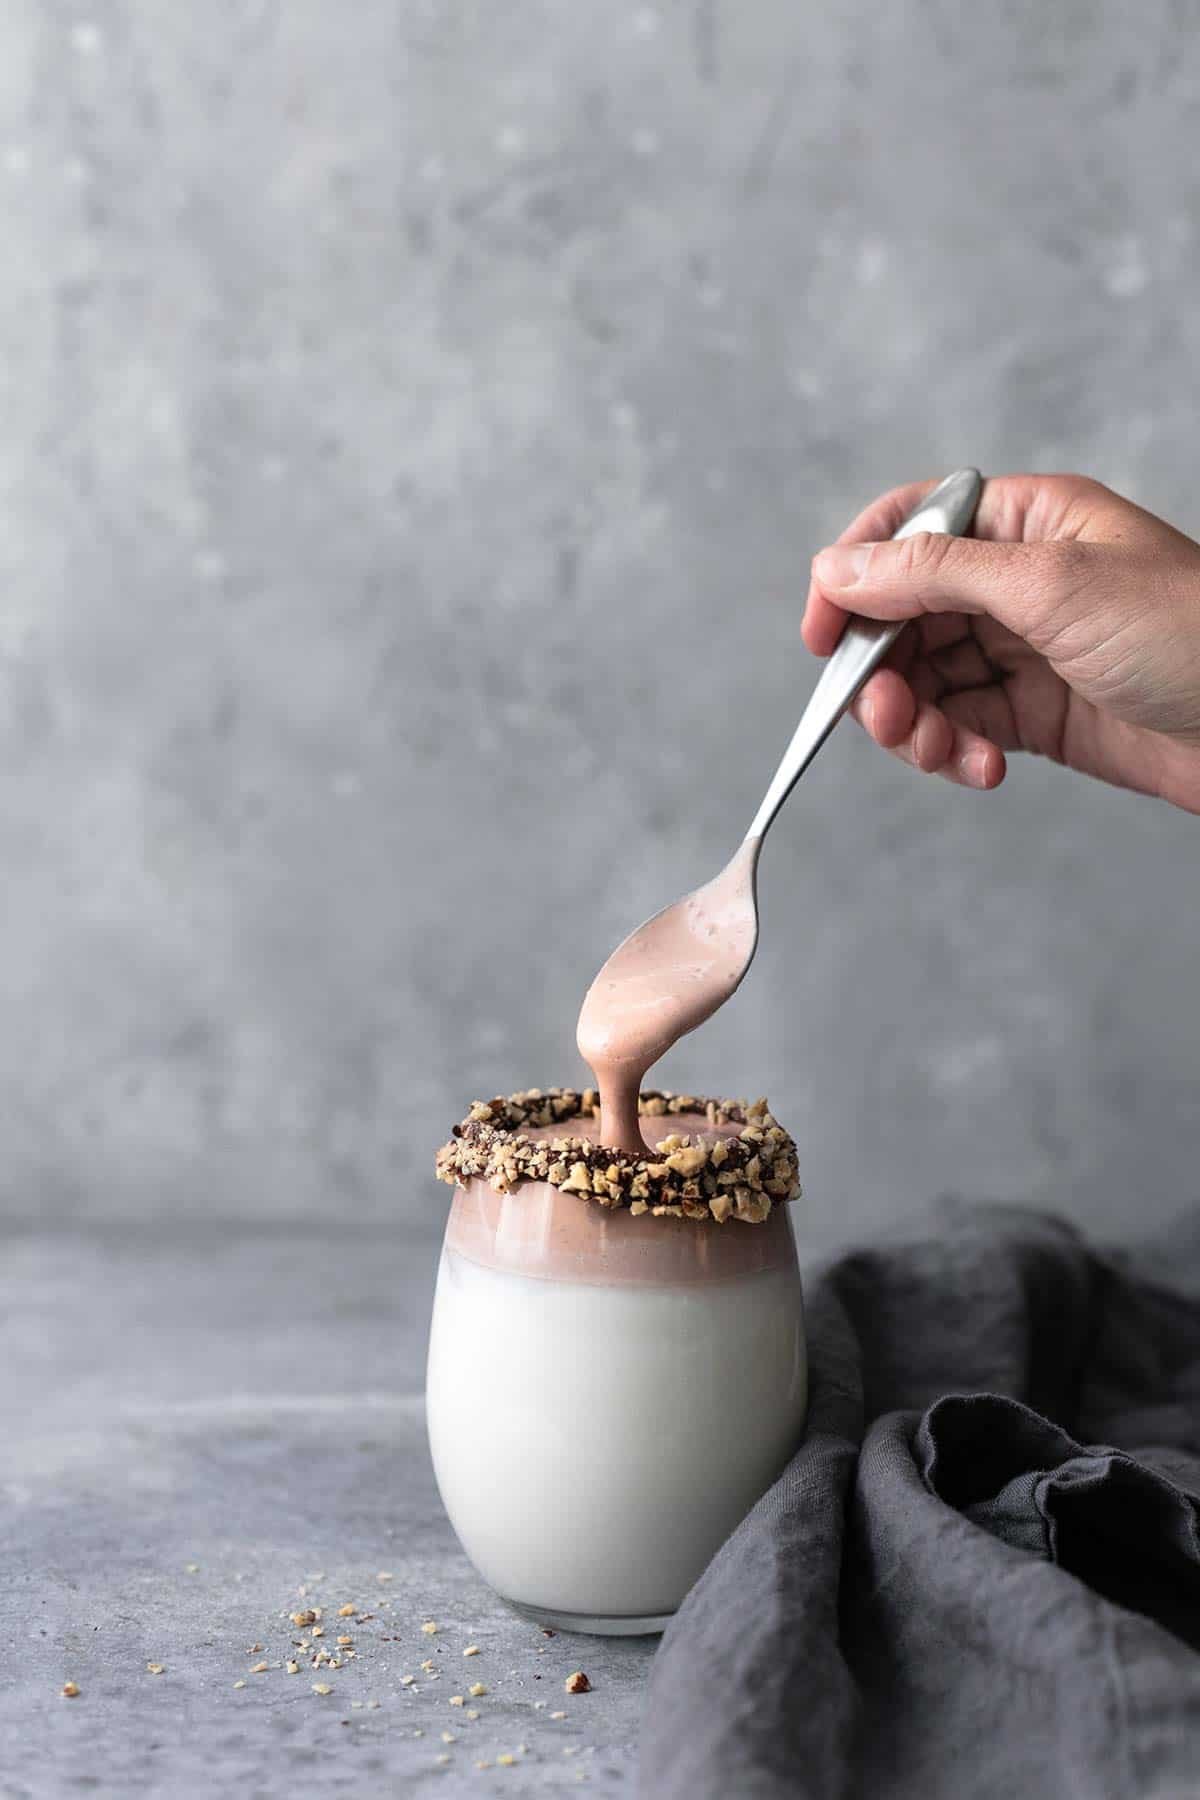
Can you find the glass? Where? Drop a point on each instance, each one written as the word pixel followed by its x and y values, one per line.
pixel 608 1396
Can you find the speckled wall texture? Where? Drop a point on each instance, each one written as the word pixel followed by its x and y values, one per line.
pixel 416 423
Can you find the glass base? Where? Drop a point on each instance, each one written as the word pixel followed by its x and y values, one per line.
pixel 623 1625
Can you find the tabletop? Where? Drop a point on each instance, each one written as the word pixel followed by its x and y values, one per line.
pixel 211 1432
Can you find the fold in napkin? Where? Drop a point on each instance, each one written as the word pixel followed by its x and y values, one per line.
pixel 979 1577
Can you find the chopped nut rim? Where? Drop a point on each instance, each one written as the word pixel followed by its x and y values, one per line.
pixel 740 1176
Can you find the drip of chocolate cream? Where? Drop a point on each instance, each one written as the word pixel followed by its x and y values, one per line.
pixel 663 981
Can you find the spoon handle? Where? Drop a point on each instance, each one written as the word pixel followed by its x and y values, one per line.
pixel 949 508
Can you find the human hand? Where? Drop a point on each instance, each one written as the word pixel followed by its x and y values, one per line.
pixel 1069 626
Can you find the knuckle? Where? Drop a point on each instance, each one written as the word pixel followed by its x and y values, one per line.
pixel 1087 491
pixel 1074 501
pixel 921 555
pixel 1073 487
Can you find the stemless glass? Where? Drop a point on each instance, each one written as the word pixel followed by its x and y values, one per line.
pixel 608 1395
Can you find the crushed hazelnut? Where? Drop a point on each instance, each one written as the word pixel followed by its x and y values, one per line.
pixel 70 1690
pixel 155 1669
pixel 322 1687
pixel 345 1640
pixel 345 1612
pixel 558 1715
pixel 292 1668
pixel 477 1690
pixel 430 1628
pixel 471 1650
pixel 307 1617
pixel 259 1668
pixel 578 1683
pixel 457 1700
pixel 680 1182
pixel 448 1737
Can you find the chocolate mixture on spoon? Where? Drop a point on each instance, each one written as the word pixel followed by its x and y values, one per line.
pixel 663 981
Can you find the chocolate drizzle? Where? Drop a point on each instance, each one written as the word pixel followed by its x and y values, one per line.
pixel 740 1175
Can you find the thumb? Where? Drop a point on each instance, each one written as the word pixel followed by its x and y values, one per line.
pixel 1024 586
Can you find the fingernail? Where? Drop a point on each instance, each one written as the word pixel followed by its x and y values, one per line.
pixel 977 767
pixel 842 565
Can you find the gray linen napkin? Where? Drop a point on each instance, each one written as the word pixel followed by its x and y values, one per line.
pixel 979 1577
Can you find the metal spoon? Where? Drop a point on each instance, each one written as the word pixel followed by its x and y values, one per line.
pixel 674 971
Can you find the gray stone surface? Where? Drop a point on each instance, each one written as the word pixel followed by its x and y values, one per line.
pixel 364 378
pixel 248 1402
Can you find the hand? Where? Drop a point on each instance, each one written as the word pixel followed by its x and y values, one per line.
pixel 1069 626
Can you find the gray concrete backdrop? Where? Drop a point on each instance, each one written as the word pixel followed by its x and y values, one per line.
pixel 415 424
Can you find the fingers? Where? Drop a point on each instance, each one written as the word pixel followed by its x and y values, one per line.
pixel 938 740
pixel 824 621
pixel 928 573
pixel 886 708
pixel 1035 590
pixel 985 713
